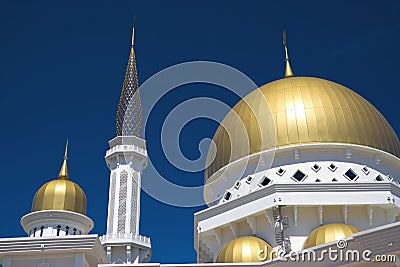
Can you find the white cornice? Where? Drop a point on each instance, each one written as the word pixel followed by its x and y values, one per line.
pixel 27 246
pixel 354 190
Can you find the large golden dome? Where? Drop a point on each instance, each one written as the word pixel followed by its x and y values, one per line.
pixel 302 110
pixel 60 194
pixel 245 249
pixel 328 233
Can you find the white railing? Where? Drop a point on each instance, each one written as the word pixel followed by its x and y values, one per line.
pixel 126 148
pixel 131 236
pixel 127 140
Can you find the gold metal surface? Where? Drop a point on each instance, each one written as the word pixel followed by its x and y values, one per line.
pixel 244 249
pixel 133 35
pixel 288 69
pixel 63 174
pixel 328 233
pixel 60 194
pixel 302 110
pixel 129 113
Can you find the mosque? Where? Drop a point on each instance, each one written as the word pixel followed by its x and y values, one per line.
pixel 303 172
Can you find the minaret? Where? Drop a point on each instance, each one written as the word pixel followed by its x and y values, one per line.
pixel 126 159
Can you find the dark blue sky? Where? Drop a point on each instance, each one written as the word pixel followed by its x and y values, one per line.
pixel 62 67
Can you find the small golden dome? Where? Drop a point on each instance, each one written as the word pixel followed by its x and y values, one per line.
pixel 328 233
pixel 302 110
pixel 245 249
pixel 60 194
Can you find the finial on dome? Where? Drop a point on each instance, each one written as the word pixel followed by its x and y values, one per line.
pixel 63 174
pixel 133 31
pixel 288 69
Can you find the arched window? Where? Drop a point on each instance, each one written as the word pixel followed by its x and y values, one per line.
pixel 66 230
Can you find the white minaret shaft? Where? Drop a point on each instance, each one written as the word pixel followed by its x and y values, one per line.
pixel 126 159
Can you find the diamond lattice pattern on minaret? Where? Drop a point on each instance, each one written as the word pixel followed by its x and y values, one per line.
pixel 129 114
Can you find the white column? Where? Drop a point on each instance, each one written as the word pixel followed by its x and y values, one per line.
pixel 126 159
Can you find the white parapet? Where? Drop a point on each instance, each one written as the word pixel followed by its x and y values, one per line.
pixel 126 238
pixel 56 223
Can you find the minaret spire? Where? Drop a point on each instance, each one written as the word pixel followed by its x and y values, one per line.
pixel 63 174
pixel 133 32
pixel 129 114
pixel 288 69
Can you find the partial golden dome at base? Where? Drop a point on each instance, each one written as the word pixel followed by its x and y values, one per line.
pixel 245 249
pixel 298 111
pixel 328 233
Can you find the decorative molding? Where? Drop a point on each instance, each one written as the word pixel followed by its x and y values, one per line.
pixel 252 221
pixel 270 217
pixel 356 149
pixel 356 187
pixel 235 229
pixel 217 232
pixel 88 245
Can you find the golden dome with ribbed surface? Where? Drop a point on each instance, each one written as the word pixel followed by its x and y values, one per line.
pixel 245 249
pixel 60 194
pixel 296 111
pixel 328 233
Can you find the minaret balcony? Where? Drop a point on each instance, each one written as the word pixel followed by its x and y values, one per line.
pixel 126 149
pixel 127 144
pixel 127 238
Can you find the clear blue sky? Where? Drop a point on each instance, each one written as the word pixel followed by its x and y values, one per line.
pixel 62 67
